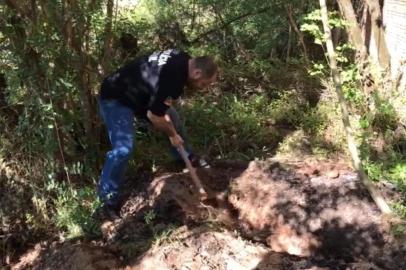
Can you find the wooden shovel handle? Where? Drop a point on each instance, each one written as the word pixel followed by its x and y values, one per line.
pixel 192 171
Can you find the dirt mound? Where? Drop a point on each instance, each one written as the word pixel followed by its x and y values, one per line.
pixel 313 209
pixel 201 248
pixel 69 256
pixel 175 194
pixel 306 215
pixel 318 211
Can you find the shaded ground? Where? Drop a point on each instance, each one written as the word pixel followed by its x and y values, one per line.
pixel 273 214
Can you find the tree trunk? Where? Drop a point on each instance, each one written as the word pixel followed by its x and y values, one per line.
pixel 366 28
pixel 17 6
pixel 297 31
pixel 376 196
pixel 355 34
pixel 354 30
pixel 30 56
pixel 108 40
pixel 378 33
pixel 289 44
pixel 228 32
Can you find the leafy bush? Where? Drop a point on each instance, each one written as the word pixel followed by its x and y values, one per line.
pixel 231 127
pixel 74 210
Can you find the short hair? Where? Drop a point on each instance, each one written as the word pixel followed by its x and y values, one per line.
pixel 206 64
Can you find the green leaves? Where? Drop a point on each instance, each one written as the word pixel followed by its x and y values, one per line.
pixel 62 82
pixel 312 24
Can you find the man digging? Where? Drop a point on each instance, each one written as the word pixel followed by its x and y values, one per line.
pixel 146 88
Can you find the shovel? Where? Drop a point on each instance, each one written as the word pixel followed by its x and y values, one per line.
pixel 211 204
pixel 192 171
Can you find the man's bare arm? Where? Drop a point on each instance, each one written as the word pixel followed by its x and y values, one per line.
pixel 164 123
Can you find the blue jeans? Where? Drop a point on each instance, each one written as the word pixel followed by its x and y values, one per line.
pixel 119 120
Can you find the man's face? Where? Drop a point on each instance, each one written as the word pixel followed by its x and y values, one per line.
pixel 199 82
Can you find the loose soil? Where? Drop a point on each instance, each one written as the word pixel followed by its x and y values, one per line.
pixel 272 214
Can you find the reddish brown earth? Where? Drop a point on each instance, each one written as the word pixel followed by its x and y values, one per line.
pixel 268 215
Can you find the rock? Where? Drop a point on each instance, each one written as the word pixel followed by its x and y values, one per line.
pixel 400 132
pixel 309 171
pixel 108 229
pixel 286 239
pixel 333 174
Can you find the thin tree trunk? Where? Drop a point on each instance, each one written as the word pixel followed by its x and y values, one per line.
pixel 297 31
pixel 88 101
pixel 30 56
pixel 77 37
pixel 193 19
pixel 289 44
pixel 108 40
pixel 17 6
pixel 366 27
pixel 230 33
pixel 376 196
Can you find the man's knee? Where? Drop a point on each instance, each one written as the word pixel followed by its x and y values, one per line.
pixel 122 152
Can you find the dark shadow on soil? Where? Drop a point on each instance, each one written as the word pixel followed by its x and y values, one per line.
pixel 338 212
pixel 345 235
pixel 174 206
pixel 343 240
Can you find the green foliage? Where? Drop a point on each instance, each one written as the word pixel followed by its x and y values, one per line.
pixel 311 23
pixel 351 86
pixel 160 233
pixel 74 209
pixel 317 69
pixel 52 60
pixel 231 127
pixel 376 125
pixel 385 117
pixel 398 174
pixel 350 77
pixel 375 113
pixel 149 217
pixel 400 209
pixel 164 234
pixel 399 230
pixel 314 121
pixel 374 170
pixel 288 108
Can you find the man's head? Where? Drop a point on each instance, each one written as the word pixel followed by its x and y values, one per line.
pixel 202 72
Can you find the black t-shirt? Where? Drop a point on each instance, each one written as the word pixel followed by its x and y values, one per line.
pixel 149 83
